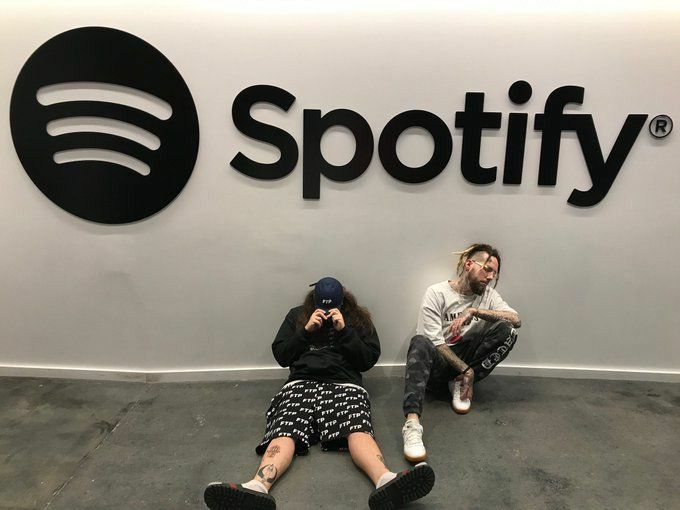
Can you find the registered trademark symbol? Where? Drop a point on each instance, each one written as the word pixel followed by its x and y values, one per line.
pixel 661 126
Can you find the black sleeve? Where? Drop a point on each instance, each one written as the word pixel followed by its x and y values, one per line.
pixel 290 342
pixel 361 351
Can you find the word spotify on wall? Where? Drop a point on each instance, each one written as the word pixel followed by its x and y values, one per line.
pixel 125 156
pixel 473 120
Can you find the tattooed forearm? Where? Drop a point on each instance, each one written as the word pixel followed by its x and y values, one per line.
pixel 495 316
pixel 382 459
pixel 273 450
pixel 451 357
pixel 267 473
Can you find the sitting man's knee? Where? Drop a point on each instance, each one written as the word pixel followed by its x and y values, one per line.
pixel 362 435
pixel 505 329
pixel 509 335
pixel 420 341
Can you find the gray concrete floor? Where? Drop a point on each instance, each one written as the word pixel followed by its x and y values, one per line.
pixel 529 443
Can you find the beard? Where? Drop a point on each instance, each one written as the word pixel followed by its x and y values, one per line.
pixel 478 287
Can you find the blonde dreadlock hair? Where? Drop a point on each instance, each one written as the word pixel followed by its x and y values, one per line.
pixel 471 250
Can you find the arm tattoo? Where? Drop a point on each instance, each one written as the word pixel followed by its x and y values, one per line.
pixel 451 357
pixel 496 315
pixel 382 459
pixel 267 473
pixel 273 450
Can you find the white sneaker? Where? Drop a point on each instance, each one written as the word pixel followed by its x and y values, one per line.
pixel 461 406
pixel 414 449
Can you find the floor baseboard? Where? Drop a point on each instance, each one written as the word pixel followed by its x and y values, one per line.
pixel 380 370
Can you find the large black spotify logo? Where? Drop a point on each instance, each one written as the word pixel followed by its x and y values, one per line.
pixel 104 125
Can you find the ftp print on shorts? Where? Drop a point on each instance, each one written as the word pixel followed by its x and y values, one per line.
pixel 312 412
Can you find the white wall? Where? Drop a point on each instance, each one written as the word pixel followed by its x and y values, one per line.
pixel 205 283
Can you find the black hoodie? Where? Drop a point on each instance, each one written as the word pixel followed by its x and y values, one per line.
pixel 325 355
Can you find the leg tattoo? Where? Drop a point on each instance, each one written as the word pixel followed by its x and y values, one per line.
pixel 267 473
pixel 273 450
pixel 382 459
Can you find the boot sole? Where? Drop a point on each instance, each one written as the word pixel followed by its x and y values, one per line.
pixel 408 486
pixel 228 496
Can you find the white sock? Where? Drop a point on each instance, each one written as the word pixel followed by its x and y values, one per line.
pixel 387 477
pixel 255 485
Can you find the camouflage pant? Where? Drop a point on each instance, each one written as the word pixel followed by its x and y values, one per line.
pixel 426 368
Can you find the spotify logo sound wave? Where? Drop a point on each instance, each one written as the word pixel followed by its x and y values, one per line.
pixel 104 125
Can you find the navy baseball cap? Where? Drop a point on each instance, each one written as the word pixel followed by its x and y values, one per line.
pixel 327 293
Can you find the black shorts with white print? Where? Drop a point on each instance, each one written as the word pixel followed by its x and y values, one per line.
pixel 312 412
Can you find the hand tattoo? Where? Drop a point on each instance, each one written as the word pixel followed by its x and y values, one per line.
pixel 267 473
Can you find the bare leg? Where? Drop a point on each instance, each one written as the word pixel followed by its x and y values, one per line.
pixel 366 455
pixel 275 461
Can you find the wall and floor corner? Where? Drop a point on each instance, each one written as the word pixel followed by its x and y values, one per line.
pixel 196 290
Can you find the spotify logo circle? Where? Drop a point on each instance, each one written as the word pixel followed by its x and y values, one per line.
pixel 104 125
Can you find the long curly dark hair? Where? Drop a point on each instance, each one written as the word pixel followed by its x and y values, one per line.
pixel 356 316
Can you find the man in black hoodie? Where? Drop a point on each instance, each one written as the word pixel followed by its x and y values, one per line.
pixel 326 342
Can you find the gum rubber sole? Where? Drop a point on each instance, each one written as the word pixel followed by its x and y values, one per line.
pixel 409 485
pixel 460 410
pixel 229 496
